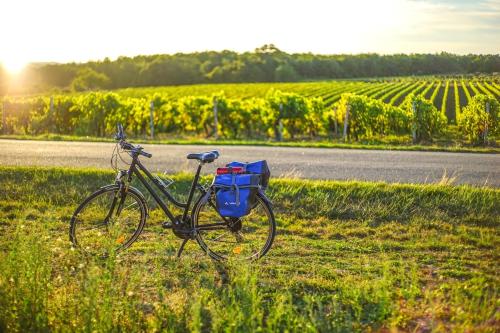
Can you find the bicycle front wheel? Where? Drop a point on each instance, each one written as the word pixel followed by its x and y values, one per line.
pixel 247 237
pixel 108 221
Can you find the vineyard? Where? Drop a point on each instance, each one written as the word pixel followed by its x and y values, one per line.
pixel 253 110
pixel 458 91
pixel 449 95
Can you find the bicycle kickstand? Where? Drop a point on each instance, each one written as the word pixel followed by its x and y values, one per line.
pixel 181 248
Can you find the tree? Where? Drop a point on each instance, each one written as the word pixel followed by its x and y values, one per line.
pixel 89 79
pixel 265 64
pixel 285 73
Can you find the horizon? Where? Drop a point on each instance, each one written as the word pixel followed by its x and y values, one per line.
pixel 50 32
pixel 253 51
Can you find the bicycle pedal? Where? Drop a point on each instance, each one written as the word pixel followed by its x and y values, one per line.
pixel 166 225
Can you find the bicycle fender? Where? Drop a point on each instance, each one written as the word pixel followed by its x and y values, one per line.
pixel 265 198
pixel 105 187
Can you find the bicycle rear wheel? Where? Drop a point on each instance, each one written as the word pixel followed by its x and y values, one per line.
pixel 249 237
pixel 108 221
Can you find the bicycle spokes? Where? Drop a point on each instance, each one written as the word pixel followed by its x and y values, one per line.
pixel 245 237
pixel 107 222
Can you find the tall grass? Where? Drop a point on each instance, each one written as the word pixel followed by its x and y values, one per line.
pixel 349 256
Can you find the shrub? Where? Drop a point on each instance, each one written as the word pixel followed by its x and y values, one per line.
pixel 196 114
pixel 315 116
pixel 370 117
pixel 293 113
pixel 425 119
pixel 476 122
pixel 96 110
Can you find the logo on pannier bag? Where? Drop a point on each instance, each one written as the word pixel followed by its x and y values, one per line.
pixel 229 203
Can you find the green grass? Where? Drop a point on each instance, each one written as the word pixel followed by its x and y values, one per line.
pixel 349 256
pixel 449 142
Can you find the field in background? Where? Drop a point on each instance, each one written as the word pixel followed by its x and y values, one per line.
pixel 447 94
pixel 307 111
pixel 349 256
pixel 30 114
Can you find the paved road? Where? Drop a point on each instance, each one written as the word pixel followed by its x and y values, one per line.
pixel 319 163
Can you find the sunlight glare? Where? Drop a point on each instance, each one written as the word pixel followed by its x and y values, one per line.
pixel 13 66
pixel 318 26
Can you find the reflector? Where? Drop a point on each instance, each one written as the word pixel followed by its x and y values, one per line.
pixel 223 171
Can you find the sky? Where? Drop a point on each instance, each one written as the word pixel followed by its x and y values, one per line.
pixel 82 30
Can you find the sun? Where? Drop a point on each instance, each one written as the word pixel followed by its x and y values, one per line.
pixel 12 65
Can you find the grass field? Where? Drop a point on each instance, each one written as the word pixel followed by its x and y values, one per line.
pixel 349 256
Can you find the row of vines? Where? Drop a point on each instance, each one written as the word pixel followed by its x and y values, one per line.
pixel 447 94
pixel 96 114
pixel 389 109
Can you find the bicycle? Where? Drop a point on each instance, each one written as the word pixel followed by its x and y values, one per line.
pixel 112 218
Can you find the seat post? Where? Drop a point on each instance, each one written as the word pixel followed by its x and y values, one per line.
pixel 191 191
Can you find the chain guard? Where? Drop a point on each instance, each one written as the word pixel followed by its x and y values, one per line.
pixel 182 229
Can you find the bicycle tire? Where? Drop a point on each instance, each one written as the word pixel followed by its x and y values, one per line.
pixel 111 189
pixel 262 202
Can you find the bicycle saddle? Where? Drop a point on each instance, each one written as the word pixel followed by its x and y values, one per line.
pixel 206 157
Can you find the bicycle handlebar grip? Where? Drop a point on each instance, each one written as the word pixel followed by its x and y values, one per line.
pixel 148 155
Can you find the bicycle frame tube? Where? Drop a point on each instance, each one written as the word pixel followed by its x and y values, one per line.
pixel 157 184
pixel 136 167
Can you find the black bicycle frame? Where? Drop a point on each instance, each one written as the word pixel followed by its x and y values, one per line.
pixel 136 167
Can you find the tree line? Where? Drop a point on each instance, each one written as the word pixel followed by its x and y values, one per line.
pixel 265 64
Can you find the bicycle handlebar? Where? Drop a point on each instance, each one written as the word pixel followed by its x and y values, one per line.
pixel 134 149
pixel 120 136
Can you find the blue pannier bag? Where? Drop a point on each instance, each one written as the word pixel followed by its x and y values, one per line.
pixel 236 193
pixel 258 168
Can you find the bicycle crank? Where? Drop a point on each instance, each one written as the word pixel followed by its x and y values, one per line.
pixel 182 229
